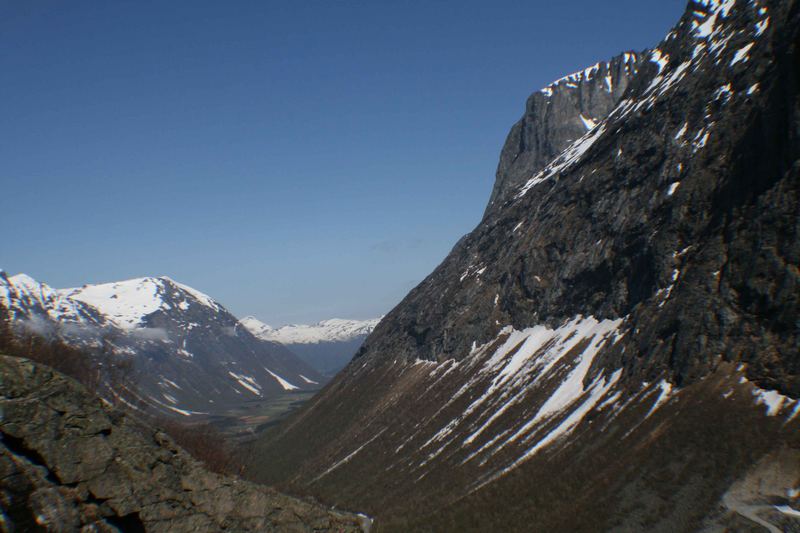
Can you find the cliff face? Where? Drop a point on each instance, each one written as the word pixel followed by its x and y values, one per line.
pixel 67 462
pixel 677 213
pixel 616 343
pixel 557 116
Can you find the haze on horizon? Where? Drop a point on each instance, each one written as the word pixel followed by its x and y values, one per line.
pixel 295 161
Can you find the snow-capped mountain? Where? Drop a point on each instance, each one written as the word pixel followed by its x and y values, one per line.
pixel 332 330
pixel 327 345
pixel 189 354
pixel 128 303
pixel 27 299
pixel 615 346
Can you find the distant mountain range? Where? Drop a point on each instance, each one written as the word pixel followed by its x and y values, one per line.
pixel 332 330
pixel 327 346
pixel 189 354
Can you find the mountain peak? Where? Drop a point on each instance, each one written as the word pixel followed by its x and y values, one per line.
pixel 613 329
pixel 126 303
pixel 255 326
pixel 557 116
pixel 24 280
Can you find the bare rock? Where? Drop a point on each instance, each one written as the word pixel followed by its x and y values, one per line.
pixel 70 463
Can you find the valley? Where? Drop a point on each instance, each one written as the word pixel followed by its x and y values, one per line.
pixel 185 355
pixel 615 346
pixel 245 423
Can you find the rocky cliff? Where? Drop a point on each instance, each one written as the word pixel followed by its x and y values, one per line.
pixel 68 462
pixel 615 346
pixel 678 214
pixel 557 116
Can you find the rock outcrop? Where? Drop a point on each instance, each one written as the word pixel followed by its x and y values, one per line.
pixel 68 462
pixel 557 116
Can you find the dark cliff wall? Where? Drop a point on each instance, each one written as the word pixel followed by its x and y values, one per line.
pixel 679 212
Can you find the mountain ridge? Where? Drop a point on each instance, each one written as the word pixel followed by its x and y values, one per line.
pixel 189 354
pixel 557 115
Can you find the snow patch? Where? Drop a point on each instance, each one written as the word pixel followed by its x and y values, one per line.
pixel 761 26
pixel 283 383
pixel 247 382
pixel 124 303
pixel 348 457
pixel 723 93
pixel 569 157
pixel 663 397
pixel 742 55
pixel 774 401
pixel 788 510
pixel 309 381
pixel 662 60
pixel 588 123
pixel 526 361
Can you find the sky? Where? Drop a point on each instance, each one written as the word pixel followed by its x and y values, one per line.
pixel 295 160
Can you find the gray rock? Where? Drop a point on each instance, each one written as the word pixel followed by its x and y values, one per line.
pixel 694 175
pixel 556 116
pixel 69 462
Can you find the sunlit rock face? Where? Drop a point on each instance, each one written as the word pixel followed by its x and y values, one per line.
pixel 557 116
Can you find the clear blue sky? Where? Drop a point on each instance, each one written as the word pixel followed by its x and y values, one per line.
pixel 296 160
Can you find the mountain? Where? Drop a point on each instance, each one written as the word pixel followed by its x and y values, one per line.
pixel 327 346
pixel 332 330
pixel 558 115
pixel 189 354
pixel 71 463
pixel 615 345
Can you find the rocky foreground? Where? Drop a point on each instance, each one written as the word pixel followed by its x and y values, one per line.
pixel 69 462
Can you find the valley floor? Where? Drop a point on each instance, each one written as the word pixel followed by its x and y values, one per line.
pixel 242 425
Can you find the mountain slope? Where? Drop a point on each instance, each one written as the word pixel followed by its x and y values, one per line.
pixel 189 354
pixel 68 462
pixel 615 346
pixel 327 346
